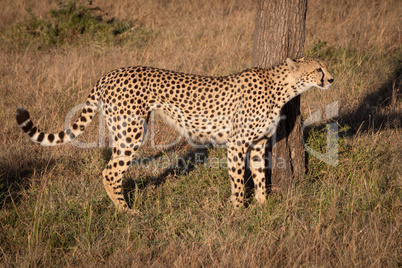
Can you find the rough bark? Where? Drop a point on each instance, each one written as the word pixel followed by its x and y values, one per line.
pixel 279 34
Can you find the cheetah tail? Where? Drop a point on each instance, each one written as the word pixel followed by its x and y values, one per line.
pixel 49 139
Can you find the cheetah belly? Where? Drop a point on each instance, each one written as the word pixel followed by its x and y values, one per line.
pixel 197 128
pixel 260 128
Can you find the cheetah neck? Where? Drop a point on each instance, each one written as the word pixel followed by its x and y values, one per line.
pixel 281 85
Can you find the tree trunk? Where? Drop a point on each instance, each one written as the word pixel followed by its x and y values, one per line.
pixel 279 34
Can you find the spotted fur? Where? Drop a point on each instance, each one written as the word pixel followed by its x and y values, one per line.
pixel 240 110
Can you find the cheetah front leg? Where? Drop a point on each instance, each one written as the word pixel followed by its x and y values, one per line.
pixel 257 168
pixel 236 166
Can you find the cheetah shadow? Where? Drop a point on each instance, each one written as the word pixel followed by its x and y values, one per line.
pixel 15 177
pixel 194 157
pixel 368 116
pixel 191 159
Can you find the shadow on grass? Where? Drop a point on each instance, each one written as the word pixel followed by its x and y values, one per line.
pixel 15 177
pixel 378 110
pixel 190 161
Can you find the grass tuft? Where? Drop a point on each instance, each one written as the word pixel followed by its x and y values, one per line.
pixel 73 23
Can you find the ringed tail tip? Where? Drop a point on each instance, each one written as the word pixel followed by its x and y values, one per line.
pixel 22 115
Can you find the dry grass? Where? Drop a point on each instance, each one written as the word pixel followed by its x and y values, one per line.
pixel 55 212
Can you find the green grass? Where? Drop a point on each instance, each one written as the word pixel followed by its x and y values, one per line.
pixel 73 23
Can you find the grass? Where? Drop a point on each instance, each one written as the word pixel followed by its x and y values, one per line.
pixel 73 23
pixel 55 212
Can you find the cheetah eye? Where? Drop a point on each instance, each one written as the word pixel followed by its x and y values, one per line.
pixel 319 69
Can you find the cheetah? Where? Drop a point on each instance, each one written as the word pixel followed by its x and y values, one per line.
pixel 240 110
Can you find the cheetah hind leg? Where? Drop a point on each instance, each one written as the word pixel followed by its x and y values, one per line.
pixel 113 178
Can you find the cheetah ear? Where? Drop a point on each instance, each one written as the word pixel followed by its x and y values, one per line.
pixel 293 66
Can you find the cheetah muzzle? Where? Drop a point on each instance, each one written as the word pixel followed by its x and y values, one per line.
pixel 240 110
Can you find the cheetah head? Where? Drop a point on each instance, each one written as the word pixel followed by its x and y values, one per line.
pixel 310 72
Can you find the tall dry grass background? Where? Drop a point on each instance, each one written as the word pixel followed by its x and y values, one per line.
pixel 55 212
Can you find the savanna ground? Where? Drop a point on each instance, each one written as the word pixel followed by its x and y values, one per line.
pixel 55 211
